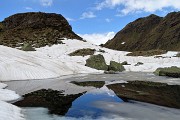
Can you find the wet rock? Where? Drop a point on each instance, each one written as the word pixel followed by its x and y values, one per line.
pixel 168 71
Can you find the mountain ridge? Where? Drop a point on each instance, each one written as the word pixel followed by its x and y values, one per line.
pixel 148 33
pixel 36 28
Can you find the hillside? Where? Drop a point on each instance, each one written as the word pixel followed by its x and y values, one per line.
pixel 55 61
pixel 148 33
pixel 36 28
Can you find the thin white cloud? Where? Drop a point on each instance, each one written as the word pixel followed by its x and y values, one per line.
pixel 87 15
pixel 28 8
pixel 46 3
pixel 70 19
pixel 133 6
pixel 97 38
pixel 108 20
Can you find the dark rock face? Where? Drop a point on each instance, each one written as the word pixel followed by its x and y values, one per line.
pixel 38 29
pixel 54 100
pixel 97 62
pixel 148 33
pixel 150 92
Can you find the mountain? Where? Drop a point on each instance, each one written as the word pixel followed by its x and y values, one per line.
pixel 148 33
pixel 36 28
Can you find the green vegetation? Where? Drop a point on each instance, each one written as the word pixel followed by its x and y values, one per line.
pixel 83 52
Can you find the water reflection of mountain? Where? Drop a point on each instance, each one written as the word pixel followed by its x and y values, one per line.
pixel 150 92
pixel 54 100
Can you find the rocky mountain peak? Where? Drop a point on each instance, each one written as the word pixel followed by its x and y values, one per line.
pixel 148 33
pixel 36 28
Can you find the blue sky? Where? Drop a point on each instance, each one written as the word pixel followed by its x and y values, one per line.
pixel 92 17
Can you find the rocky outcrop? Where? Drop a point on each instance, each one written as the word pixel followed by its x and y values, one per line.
pixel 97 62
pixel 168 71
pixel 36 28
pixel 149 33
pixel 83 52
pixel 115 66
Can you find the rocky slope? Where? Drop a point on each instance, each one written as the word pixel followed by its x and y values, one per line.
pixel 152 32
pixel 36 28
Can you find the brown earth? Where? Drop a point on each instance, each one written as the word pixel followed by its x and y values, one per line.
pixel 36 28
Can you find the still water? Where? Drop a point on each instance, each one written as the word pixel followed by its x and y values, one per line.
pixel 103 104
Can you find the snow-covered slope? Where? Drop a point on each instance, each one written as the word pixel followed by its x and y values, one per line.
pixel 9 111
pixel 54 61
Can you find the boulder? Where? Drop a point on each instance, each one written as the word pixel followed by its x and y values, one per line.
pixel 168 71
pixel 139 63
pixel 97 62
pixel 125 63
pixel 27 47
pixel 115 66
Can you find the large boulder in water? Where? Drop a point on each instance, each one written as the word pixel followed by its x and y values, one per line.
pixel 168 71
pixel 97 62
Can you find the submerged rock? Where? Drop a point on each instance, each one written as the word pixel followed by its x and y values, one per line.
pixel 97 62
pixel 168 71
pixel 97 84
